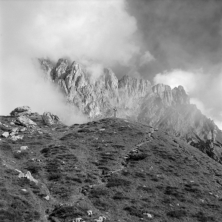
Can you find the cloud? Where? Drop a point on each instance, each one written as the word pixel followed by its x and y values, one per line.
pixel 100 32
pixel 91 29
pixel 189 80
pixel 203 89
pixel 95 70
pixel 181 34
pixel 22 85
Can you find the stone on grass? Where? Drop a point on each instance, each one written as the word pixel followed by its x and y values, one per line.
pixel 22 148
pixel 25 121
pixel 46 197
pixel 18 137
pixel 28 175
pixel 5 134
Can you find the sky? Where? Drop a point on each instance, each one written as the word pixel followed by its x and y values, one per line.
pixel 174 42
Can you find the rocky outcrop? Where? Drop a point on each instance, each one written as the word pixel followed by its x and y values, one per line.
pixel 20 111
pixel 135 99
pixel 50 119
pixel 25 121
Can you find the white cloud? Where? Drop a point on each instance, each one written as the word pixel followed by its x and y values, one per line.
pixel 199 105
pixel 98 31
pixel 90 29
pixel 189 80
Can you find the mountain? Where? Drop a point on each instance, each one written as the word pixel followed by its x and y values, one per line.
pixel 110 170
pixel 135 99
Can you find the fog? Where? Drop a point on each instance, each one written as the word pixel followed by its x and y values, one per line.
pixel 95 33
pixel 174 42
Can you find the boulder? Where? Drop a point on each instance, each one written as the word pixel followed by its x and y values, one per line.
pixel 5 134
pixel 22 148
pixel 25 121
pixel 50 119
pixel 18 137
pixel 28 175
pixel 14 131
pixel 20 111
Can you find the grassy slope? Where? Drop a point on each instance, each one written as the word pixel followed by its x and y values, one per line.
pixel 92 166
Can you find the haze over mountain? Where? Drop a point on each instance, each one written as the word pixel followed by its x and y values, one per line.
pixel 170 42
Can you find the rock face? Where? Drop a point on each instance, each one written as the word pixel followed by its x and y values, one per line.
pixel 135 99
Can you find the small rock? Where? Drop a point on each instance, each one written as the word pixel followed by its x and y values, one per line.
pixel 149 215
pixel 89 212
pixel 46 197
pixel 12 133
pixel 19 137
pixel 22 148
pixel 23 129
pixel 5 134
pixel 30 177
pixel 14 129
pixel 24 190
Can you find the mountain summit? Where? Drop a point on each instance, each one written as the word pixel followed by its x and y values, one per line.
pixel 135 99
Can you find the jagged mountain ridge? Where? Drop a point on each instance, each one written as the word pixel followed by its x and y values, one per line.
pixel 135 99
pixel 96 97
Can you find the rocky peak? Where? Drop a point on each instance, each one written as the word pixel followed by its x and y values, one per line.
pixel 164 92
pixel 171 97
pixel 60 69
pixel 180 96
pixel 111 81
pixel 134 87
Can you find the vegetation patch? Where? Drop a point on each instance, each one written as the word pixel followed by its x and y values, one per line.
pixel 177 214
pixel 116 182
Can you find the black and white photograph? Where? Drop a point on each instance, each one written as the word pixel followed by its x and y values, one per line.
pixel 110 110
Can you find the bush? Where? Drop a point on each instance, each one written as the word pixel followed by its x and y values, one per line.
pixel 177 213
pixel 134 211
pixel 120 196
pixel 98 192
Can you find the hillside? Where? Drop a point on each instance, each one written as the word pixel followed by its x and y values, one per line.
pixel 123 170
